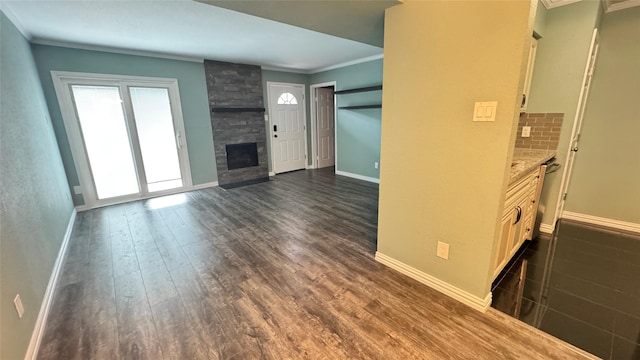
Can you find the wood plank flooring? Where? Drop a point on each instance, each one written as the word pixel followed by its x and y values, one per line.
pixel 278 270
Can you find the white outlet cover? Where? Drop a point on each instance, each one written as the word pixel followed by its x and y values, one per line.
pixel 443 250
pixel 19 307
pixel 526 131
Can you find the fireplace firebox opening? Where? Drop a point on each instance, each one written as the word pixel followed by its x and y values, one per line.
pixel 242 155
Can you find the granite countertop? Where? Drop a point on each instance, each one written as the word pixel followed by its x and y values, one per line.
pixel 525 160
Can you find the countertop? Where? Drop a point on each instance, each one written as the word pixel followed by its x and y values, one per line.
pixel 525 160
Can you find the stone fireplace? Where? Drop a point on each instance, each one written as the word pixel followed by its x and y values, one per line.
pixel 237 118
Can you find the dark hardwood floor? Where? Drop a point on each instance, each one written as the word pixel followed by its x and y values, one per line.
pixel 278 270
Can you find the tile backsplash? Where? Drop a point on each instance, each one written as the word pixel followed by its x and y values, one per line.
pixel 545 131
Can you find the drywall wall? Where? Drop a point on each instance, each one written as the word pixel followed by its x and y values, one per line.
pixel 606 176
pixel 557 78
pixel 35 200
pixel 291 78
pixel 193 96
pixel 443 176
pixel 357 131
pixel 540 24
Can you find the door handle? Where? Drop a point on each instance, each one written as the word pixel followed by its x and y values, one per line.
pixel 275 127
pixel 574 149
pixel 519 210
pixel 179 141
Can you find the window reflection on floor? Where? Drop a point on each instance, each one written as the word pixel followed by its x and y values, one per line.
pixel 581 285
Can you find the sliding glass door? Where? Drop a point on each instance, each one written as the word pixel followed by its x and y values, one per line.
pixel 159 143
pixel 106 140
pixel 126 135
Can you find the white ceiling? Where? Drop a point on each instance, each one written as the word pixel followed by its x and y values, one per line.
pixel 181 28
pixel 359 20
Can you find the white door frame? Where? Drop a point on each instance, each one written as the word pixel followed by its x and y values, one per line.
pixel 304 118
pixel 61 82
pixel 314 121
pixel 577 125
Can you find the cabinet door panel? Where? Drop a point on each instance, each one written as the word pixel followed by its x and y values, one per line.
pixel 506 234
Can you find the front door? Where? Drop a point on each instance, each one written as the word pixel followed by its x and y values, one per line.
pixel 288 131
pixel 325 127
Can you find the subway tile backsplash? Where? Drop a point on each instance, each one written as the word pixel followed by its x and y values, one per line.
pixel 545 131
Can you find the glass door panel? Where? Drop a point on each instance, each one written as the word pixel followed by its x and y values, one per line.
pixel 104 130
pixel 157 137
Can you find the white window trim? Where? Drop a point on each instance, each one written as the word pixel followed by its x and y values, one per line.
pixel 61 82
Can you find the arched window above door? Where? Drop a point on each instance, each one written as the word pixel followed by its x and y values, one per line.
pixel 287 99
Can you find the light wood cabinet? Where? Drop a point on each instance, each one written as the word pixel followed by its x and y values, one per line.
pixel 518 217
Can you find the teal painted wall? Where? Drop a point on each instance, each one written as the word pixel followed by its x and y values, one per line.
pixel 292 78
pixel 35 199
pixel 357 131
pixel 193 95
pixel 606 175
pixel 540 24
pixel 557 78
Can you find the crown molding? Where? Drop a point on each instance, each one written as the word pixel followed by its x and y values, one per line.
pixel 49 42
pixel 348 63
pixel 6 9
pixel 550 4
pixel 609 7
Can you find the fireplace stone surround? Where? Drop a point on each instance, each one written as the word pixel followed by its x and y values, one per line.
pixel 237 116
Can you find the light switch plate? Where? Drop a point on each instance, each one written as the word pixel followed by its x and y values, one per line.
pixel 485 111
pixel 526 131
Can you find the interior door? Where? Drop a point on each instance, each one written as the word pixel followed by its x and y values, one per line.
pixel 288 132
pixel 325 127
pixel 577 125
pixel 126 136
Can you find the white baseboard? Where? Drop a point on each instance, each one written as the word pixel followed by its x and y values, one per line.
pixel 206 185
pixel 595 220
pixel 462 296
pixel 41 322
pixel 81 208
pixel 203 185
pixel 359 177
pixel 546 228
pixel 272 173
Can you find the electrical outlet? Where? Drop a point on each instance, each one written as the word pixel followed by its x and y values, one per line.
pixel 443 250
pixel 526 131
pixel 18 303
pixel 375 164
